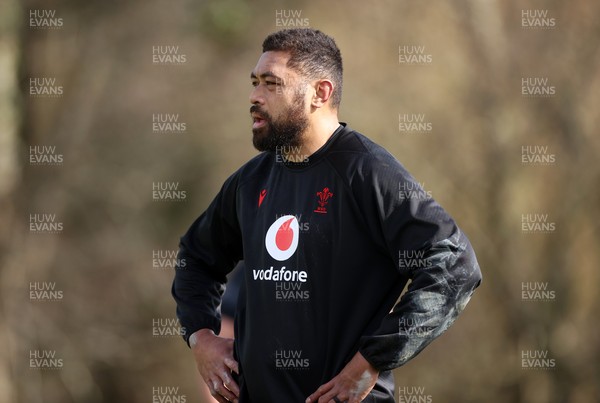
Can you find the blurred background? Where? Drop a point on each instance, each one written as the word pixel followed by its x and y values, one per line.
pixel 507 95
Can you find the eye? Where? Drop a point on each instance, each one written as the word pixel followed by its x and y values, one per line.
pixel 272 83
pixel 254 83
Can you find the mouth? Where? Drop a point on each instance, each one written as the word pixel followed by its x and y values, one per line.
pixel 258 121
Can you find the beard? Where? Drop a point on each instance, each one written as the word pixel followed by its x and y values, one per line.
pixel 283 132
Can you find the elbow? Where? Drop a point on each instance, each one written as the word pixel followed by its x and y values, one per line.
pixel 470 272
pixel 475 277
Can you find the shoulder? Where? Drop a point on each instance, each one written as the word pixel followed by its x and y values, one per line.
pixel 255 168
pixel 358 156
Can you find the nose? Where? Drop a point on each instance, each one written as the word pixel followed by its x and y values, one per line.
pixel 256 97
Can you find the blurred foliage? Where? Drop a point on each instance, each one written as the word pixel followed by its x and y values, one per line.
pixel 226 22
pixel 471 161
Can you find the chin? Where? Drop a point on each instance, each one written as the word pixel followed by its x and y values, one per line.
pixel 258 139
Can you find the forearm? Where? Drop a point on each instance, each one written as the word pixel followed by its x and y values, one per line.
pixel 198 296
pixel 436 296
pixel 208 250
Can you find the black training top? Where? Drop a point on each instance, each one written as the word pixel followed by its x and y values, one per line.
pixel 329 243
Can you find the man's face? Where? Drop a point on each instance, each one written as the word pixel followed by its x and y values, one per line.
pixel 279 115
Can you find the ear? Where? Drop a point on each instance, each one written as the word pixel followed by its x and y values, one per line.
pixel 323 91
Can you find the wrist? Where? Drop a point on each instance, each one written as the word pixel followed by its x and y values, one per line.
pixel 365 365
pixel 199 336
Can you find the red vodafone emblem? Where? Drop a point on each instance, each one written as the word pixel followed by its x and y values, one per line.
pixel 282 237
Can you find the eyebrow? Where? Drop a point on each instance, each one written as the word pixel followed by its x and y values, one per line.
pixel 266 74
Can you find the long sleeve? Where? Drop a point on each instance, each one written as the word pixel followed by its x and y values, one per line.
pixel 210 249
pixel 329 248
pixel 431 252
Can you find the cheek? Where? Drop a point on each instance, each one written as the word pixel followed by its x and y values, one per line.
pixel 307 103
pixel 278 107
pixel 306 100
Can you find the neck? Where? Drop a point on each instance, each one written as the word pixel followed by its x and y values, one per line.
pixel 317 135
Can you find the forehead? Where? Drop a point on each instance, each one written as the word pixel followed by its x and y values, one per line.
pixel 273 63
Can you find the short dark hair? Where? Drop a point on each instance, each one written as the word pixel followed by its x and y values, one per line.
pixel 312 53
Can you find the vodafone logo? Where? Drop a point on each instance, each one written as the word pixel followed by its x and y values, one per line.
pixel 282 238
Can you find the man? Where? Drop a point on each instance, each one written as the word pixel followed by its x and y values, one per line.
pixel 331 228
